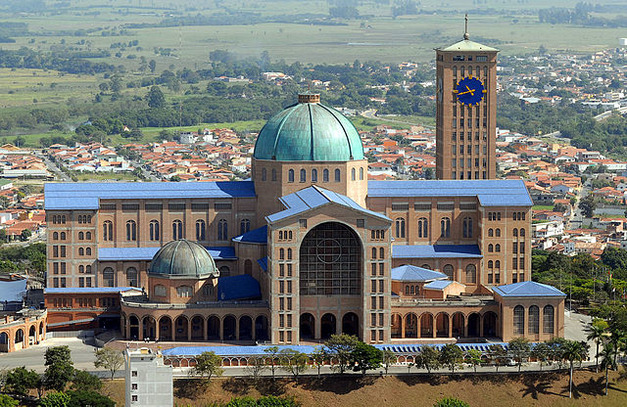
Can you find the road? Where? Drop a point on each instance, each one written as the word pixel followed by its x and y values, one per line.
pixel 60 175
pixel 372 114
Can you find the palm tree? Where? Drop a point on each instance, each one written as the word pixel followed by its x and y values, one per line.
pixel 573 351
pixel 608 362
pixel 596 332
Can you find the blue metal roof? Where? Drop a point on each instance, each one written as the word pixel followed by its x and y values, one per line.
pixel 489 192
pixel 528 289
pixel 314 197
pixel 438 285
pixel 240 287
pixel 12 291
pixel 147 253
pixel 86 195
pixel 263 262
pixel 415 274
pixel 259 235
pixel 442 251
pixel 89 290
pixel 402 349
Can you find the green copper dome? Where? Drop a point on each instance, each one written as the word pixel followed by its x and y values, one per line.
pixel 184 259
pixel 309 131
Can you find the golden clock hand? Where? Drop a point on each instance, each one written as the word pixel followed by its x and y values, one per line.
pixel 469 91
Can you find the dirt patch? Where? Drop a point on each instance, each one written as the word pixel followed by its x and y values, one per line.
pixel 546 389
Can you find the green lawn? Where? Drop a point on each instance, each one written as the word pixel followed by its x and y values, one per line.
pixel 542 207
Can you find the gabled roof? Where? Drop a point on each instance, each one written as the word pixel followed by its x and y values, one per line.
pixel 467 45
pixel 437 285
pixel 416 274
pixel 259 235
pixel 528 289
pixel 450 251
pixel 314 197
pixel 87 195
pixel 489 192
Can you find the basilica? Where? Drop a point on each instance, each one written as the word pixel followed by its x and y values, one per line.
pixel 308 247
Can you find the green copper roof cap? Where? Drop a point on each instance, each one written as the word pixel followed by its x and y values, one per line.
pixel 309 131
pixel 183 259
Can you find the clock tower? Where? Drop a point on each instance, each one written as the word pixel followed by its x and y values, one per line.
pixel 466 110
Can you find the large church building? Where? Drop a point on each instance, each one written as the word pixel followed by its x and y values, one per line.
pixel 306 248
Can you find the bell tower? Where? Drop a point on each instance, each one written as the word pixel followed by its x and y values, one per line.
pixel 466 110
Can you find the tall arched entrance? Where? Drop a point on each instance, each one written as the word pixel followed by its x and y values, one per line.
pixel 261 328
pixel 328 326
pixel 350 324
pixel 165 328
pixel 489 324
pixel 307 326
pixel 474 322
pixel 149 327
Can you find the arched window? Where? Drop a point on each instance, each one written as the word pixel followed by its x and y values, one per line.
pixel 290 176
pixel 108 277
pixel 497 264
pixel 264 174
pixel 81 251
pixel 522 232
pixel 303 175
pixel 314 175
pixel 184 291
pixel 223 229
pixel 88 269
pixel 490 264
pixel 361 173
pixel 400 228
pixel 406 290
pixel 548 319
pixel 248 267
pixel 201 230
pixel 449 270
pixel 281 254
pixel 467 228
pixel 338 177
pixel 381 253
pixel 63 219
pixel 353 174
pixel 81 236
pixel 497 248
pixel 490 248
pixel 87 235
pixel 515 232
pixel 519 320
pixel 155 234
pixel 131 231
pixel 274 174
pixel 63 236
pixel 244 226
pixel 534 319
pixel 445 227
pixel 374 252
pixel 471 274
pixel 132 277
pixel 289 254
pixel 107 230
pixel 423 228
pixel 88 251
pixel 177 229
pixel 81 269
pixel 498 232
pixel 325 175
pixel 55 236
pixel 490 232
pixel 225 271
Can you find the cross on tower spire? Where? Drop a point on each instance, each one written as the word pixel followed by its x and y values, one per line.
pixel 466 35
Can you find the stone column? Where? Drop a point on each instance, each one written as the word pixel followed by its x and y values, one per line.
pixel 189 330
pixel 419 326
pixel 140 329
pixel 127 328
pixel 205 327
pixel 465 326
pixel 254 331
pixel 481 325
pixel 402 327
pixel 156 329
pixel 433 327
pixel 221 328
pixel 237 329
pixel 173 329
pixel 317 328
pixel 450 326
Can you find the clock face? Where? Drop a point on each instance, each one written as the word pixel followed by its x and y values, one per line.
pixel 470 91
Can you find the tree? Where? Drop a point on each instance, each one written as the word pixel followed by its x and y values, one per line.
pixel 256 366
pixel 7 401
pixel 608 361
pixel 519 348
pixel 293 361
pixel 19 381
pixel 55 400
pixel 428 358
pixel 597 330
pixel 83 380
pixel 451 402
pixel 155 98
pixel 341 347
pixel 451 355
pixel 89 398
pixel 388 358
pixel 152 65
pixel 319 357
pixel 59 368
pixel 541 353
pixel 473 356
pixel 587 206
pixel 273 358
pixel 498 354
pixel 365 357
pixel 109 359
pixel 208 364
pixel 25 235
pixel 573 351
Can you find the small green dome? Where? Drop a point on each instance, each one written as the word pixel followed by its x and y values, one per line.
pixel 309 131
pixel 182 258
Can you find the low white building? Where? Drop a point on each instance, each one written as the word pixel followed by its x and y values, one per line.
pixel 148 380
pixel 547 229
